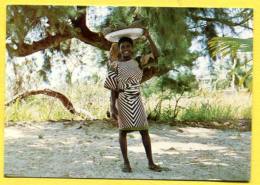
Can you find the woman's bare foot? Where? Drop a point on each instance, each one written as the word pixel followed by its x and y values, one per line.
pixel 158 168
pixel 155 167
pixel 127 168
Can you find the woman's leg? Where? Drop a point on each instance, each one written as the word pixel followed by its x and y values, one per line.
pixel 123 146
pixel 148 149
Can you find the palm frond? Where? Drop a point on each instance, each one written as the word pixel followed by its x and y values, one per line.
pixel 230 46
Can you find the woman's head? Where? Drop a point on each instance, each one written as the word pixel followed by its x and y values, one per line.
pixel 125 45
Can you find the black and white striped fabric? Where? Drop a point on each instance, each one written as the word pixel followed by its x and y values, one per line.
pixel 131 112
pixel 111 81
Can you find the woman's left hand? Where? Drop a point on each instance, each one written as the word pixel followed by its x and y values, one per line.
pixel 146 32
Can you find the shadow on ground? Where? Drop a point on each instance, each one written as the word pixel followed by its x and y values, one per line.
pixel 64 151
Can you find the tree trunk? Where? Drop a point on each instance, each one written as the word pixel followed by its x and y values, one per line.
pixel 64 100
pixel 18 80
pixel 233 80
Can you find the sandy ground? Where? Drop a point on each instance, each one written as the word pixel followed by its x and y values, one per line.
pixel 62 150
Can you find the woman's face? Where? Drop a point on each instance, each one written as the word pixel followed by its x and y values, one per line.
pixel 126 50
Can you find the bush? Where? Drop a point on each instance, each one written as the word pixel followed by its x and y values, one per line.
pixel 208 112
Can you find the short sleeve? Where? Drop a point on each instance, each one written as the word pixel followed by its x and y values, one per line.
pixel 111 81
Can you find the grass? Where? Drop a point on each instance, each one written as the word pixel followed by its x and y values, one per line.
pixel 209 112
pixel 246 112
pixel 38 108
pixel 214 106
pixel 94 99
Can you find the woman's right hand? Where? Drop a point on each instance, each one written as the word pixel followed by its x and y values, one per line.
pixel 114 52
pixel 114 113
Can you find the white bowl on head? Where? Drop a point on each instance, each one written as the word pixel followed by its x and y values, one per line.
pixel 132 33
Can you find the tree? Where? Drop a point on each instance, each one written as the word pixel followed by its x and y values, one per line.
pixel 51 28
pixel 240 70
pixel 35 28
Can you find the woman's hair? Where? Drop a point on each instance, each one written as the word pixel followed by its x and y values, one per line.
pixel 125 39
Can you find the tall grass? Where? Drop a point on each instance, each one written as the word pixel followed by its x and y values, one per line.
pixel 246 113
pixel 213 106
pixel 209 112
pixel 38 108
pixel 94 98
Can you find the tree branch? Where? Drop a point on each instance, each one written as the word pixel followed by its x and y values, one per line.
pixel 226 22
pixel 89 37
pixel 149 72
pixel 85 35
pixel 27 49
pixel 64 100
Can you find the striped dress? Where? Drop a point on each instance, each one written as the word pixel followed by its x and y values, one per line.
pixel 131 112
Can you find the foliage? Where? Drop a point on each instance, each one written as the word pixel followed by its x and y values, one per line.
pixel 215 112
pixel 222 84
pixel 33 23
pixel 240 70
pixel 208 112
pixel 246 113
pixel 169 112
pixel 37 109
pixel 94 99
pixel 173 32
pixel 91 98
pixel 209 21
pixel 170 32
pixel 230 46
pixel 201 106
pixel 172 29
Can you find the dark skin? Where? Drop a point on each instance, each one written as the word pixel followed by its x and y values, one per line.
pixel 126 53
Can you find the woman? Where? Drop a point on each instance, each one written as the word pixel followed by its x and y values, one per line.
pixel 126 102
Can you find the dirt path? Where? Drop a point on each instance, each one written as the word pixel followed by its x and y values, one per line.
pixel 60 150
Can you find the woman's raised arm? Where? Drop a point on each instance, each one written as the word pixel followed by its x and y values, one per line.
pixel 152 45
